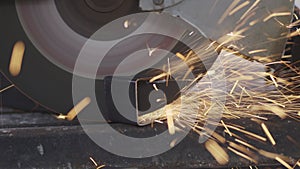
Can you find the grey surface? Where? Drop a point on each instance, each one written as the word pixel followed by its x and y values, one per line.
pixel 41 141
pixel 297 2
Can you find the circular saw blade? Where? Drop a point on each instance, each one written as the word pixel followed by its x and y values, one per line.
pixel 51 48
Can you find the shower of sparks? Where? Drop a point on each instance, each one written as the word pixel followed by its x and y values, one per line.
pixel 263 95
pixel 16 59
pixel 253 93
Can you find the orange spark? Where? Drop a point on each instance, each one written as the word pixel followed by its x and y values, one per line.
pixel 16 59
pixel 267 132
pixel 217 152
pixel 277 15
pixel 78 108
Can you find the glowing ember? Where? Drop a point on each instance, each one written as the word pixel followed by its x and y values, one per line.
pixel 217 152
pixel 95 163
pixel 277 15
pixel 17 58
pixel 242 155
pixel 170 120
pixel 283 163
pixel 76 109
pixel 266 130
